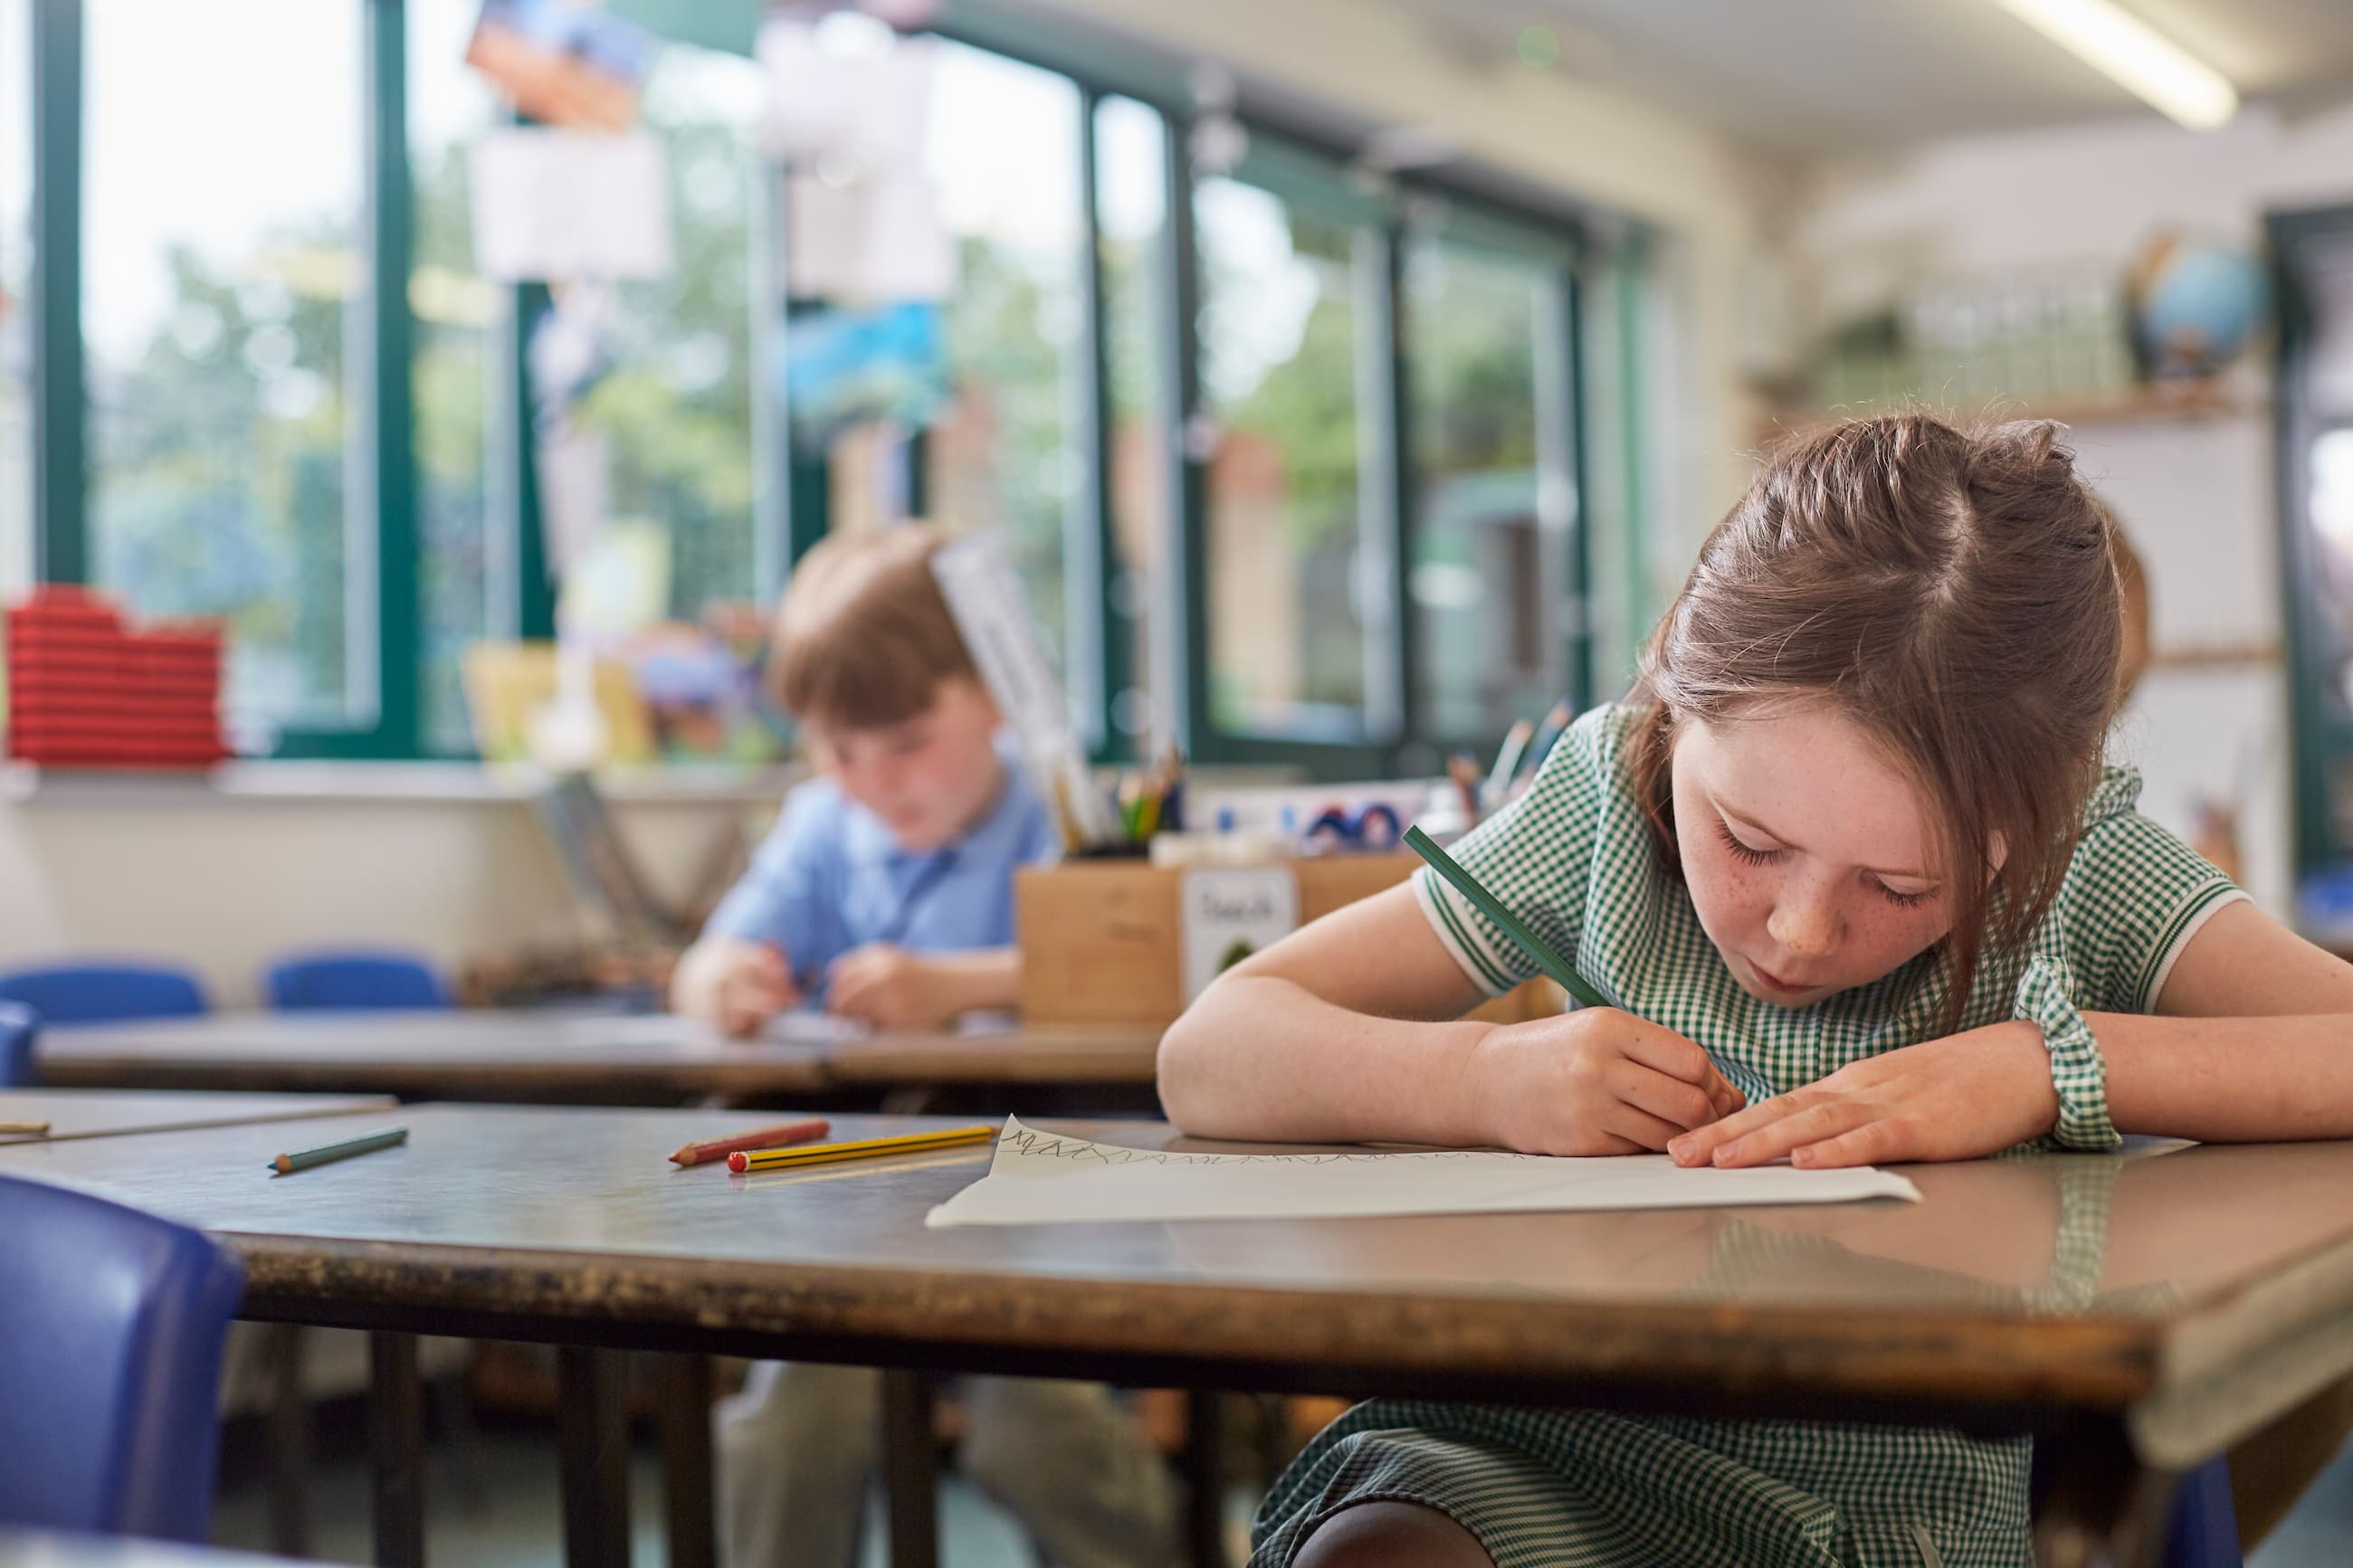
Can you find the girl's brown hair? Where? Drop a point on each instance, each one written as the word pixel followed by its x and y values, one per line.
pixel 1955 594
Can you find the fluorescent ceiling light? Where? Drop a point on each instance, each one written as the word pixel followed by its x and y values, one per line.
pixel 2129 51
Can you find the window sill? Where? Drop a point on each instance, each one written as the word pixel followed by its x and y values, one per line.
pixel 714 784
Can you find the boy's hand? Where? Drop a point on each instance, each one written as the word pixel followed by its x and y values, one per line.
pixel 1955 1098
pixel 891 988
pixel 1596 1081
pixel 733 984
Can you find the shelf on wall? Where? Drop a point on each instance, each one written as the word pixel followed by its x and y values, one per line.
pixel 2206 398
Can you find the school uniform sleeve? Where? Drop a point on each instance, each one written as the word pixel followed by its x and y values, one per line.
pixel 1536 856
pixel 2134 898
pixel 792 893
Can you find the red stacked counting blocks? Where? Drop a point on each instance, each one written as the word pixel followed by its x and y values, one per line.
pixel 85 690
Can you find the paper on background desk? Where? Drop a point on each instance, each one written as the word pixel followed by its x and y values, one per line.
pixel 1037 1178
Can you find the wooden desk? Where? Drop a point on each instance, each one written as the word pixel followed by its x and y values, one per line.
pixel 2197 1294
pixel 109 1113
pixel 2199 1291
pixel 464 1054
pixel 1062 1054
pixel 40 1549
pixel 595 1058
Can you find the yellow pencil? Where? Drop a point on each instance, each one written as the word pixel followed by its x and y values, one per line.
pixel 858 1149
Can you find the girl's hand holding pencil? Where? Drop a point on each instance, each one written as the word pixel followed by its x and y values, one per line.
pixel 1596 1081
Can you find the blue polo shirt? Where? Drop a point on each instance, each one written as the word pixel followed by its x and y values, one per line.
pixel 830 878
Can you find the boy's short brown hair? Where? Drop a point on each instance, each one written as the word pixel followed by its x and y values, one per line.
pixel 864 637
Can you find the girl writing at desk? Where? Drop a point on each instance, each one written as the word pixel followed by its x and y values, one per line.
pixel 1848 866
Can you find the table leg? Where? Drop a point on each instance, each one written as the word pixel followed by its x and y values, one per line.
pixel 396 1441
pixel 1205 1479
pixel 594 1440
pixel 2104 1509
pixel 910 1470
pixel 290 1442
pixel 682 1409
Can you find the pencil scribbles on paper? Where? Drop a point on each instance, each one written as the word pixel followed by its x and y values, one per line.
pixel 1029 1143
pixel 1038 1177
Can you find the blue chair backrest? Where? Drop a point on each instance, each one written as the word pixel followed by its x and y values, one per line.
pixel 383 980
pixel 18 1029
pixel 2205 1532
pixel 102 993
pixel 111 1334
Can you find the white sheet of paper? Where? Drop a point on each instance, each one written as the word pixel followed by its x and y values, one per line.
pixel 559 205
pixel 806 1027
pixel 1037 1178
pixel 983 588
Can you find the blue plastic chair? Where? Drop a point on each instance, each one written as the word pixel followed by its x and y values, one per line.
pixel 348 979
pixel 2205 1532
pixel 103 993
pixel 18 1029
pixel 111 1334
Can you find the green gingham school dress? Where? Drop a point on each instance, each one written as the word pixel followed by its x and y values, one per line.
pixel 1583 1489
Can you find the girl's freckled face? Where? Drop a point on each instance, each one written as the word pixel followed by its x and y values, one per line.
pixel 1811 859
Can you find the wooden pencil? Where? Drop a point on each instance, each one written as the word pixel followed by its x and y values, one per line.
pixel 328 1153
pixel 24 1127
pixel 859 1149
pixel 776 1137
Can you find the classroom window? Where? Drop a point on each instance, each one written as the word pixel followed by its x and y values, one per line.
pixel 222 278
pixel 16 304
pixel 1280 376
pixel 464 519
pixel 1485 564
pixel 1132 215
pixel 675 408
pixel 1003 153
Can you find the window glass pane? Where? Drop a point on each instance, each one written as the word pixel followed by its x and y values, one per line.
pixel 459 318
pixel 1002 150
pixel 221 270
pixel 676 407
pixel 1279 374
pixel 15 306
pixel 1486 573
pixel 1131 205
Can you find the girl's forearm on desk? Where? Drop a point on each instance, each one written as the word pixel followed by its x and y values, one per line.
pixel 1260 1057
pixel 2229 1079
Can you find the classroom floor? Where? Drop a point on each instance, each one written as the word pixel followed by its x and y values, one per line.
pixel 513 1523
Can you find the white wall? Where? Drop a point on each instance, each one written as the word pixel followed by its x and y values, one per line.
pixel 2197 496
pixel 223 882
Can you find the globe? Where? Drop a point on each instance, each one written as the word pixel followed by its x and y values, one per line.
pixel 2196 304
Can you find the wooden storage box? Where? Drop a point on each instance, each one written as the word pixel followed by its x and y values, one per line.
pixel 1101 940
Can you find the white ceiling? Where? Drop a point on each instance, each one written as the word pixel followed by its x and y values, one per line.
pixel 1812 76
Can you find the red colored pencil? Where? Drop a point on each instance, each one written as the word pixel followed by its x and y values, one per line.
pixel 775 1137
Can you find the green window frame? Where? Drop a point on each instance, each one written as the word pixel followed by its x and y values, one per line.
pixel 1302 161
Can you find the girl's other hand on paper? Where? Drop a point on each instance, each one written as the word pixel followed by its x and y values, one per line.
pixel 1594 1081
pixel 1956 1098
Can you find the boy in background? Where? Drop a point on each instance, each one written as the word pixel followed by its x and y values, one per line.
pixel 886 892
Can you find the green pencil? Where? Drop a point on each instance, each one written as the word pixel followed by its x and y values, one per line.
pixel 1552 963
pixel 327 1153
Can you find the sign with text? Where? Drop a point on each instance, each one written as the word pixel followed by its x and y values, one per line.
pixel 1231 912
